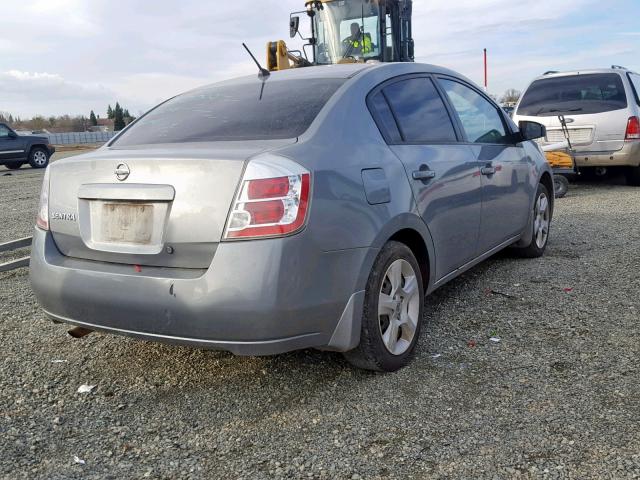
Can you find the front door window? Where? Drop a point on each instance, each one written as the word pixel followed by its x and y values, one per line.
pixel 480 119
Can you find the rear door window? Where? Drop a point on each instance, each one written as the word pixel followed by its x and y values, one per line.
pixel 575 95
pixel 420 112
pixel 635 81
pixel 275 109
pixel 4 131
pixel 480 119
pixel 384 118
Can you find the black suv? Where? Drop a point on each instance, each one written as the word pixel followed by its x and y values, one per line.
pixel 16 150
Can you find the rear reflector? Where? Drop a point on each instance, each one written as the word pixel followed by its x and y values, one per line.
pixel 268 188
pixel 263 213
pixel 268 203
pixel 42 220
pixel 633 129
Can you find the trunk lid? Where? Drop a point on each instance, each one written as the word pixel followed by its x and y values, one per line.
pixel 165 206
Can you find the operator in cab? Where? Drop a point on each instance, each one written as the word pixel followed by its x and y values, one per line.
pixel 356 44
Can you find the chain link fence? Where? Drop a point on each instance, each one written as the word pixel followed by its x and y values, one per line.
pixel 77 138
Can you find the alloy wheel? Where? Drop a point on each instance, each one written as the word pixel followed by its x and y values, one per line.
pixel 399 307
pixel 542 220
pixel 40 158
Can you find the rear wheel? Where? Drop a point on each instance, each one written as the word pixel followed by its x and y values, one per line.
pixel 560 185
pixel 541 225
pixel 392 314
pixel 38 158
pixel 633 176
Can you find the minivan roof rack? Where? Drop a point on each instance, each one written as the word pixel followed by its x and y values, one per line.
pixel 618 67
pixel 550 72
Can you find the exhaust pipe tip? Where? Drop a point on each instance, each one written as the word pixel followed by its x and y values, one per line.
pixel 79 332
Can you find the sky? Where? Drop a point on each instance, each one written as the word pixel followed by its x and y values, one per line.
pixel 72 56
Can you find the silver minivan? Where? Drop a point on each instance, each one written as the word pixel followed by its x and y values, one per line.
pixel 602 109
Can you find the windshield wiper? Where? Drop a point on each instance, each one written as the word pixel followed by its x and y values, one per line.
pixel 556 110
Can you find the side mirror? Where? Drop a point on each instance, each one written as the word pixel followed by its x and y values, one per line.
pixel 12 134
pixel 531 130
pixel 294 26
pixel 411 47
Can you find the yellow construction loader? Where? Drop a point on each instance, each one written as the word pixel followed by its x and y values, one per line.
pixel 347 31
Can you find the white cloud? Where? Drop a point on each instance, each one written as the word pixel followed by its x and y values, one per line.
pixel 41 85
pixel 35 93
pixel 91 53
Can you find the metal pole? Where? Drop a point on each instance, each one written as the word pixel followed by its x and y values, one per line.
pixel 486 74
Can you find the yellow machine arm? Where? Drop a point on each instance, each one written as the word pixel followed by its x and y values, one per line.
pixel 280 58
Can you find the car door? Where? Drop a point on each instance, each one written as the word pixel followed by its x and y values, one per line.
pixel 4 143
pixel 443 173
pixel 504 165
pixel 10 147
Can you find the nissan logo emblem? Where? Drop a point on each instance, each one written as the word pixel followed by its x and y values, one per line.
pixel 122 172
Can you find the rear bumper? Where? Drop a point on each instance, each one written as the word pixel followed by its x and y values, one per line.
pixel 257 298
pixel 628 156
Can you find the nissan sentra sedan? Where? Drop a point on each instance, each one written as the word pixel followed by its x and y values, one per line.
pixel 314 209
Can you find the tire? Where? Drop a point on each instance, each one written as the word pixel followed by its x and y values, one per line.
pixel 38 157
pixel 390 331
pixel 633 176
pixel 542 214
pixel 560 185
pixel 13 166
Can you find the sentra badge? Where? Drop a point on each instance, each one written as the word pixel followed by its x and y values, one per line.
pixel 67 217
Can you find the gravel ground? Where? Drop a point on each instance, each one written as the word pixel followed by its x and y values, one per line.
pixel 557 397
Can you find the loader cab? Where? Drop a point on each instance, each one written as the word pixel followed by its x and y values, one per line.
pixel 350 31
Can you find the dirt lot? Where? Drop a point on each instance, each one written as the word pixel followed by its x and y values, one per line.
pixel 557 397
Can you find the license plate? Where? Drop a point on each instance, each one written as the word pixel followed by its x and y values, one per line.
pixel 127 223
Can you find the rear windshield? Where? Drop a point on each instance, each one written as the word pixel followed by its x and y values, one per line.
pixel 575 94
pixel 635 80
pixel 246 111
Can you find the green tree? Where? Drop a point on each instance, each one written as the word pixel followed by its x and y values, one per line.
pixel 511 96
pixel 118 118
pixel 110 112
pixel 93 119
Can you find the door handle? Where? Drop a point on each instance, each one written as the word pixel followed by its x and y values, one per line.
pixel 488 170
pixel 424 174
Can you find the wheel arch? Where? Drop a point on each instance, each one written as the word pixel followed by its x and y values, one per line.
pixel 412 239
pixel 410 230
pixel 38 145
pixel 546 179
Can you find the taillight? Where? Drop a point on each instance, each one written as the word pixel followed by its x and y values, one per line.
pixel 273 199
pixel 633 129
pixel 42 220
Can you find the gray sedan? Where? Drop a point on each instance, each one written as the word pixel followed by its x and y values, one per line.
pixel 314 209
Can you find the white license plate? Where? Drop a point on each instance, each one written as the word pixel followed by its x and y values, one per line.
pixel 126 223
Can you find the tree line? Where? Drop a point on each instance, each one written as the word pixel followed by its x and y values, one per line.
pixel 68 123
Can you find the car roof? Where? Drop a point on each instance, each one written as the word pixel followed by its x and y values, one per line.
pixel 345 71
pixel 591 71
